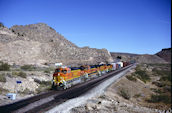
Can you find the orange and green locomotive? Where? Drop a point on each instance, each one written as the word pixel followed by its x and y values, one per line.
pixel 65 77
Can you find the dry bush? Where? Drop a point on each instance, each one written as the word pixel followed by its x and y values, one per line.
pixel 124 93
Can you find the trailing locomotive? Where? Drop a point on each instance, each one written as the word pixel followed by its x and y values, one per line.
pixel 64 77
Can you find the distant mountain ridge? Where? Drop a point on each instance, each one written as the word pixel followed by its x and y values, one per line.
pixel 139 58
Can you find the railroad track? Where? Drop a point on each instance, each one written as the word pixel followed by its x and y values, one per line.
pixel 48 100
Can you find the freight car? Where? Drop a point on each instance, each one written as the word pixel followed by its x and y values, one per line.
pixel 64 77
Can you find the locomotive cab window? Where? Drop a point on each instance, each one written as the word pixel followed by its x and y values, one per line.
pixel 64 71
pixel 57 70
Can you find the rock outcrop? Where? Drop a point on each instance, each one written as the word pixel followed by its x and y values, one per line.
pixel 39 44
pixel 165 54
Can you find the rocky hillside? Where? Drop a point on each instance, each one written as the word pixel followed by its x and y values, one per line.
pixel 40 44
pixel 165 54
pixel 144 89
pixel 145 58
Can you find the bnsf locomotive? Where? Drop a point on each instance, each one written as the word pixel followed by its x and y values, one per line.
pixel 64 77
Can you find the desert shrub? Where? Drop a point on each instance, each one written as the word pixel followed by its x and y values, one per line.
pixel 20 73
pixel 137 95
pixel 15 73
pixel 45 83
pixel 124 93
pixel 37 81
pixel 142 75
pixel 4 66
pixel 47 71
pixel 17 70
pixel 131 77
pixel 156 90
pixel 166 77
pixel 27 67
pixel 159 84
pixel 103 97
pixel 167 88
pixel 51 68
pixel 2 77
pixel 45 63
pixel 138 67
pixel 1 24
pixel 159 98
pixel 161 72
pixel 51 28
pixel 159 64
pixel 9 75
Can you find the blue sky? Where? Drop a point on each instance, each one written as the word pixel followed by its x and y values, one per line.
pixel 134 26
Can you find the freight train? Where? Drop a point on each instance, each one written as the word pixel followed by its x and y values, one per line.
pixel 65 77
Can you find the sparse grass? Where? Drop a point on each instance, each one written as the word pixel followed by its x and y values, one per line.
pixel 102 97
pixel 20 73
pixel 47 71
pixel 156 90
pixel 3 90
pixel 159 65
pixel 44 85
pixel 15 73
pixel 4 66
pixel 2 77
pixel 137 95
pixel 138 67
pixel 9 74
pixel 28 68
pixel 142 75
pixel 163 73
pixel 163 92
pixel 131 77
pixel 160 77
pixel 124 93
pixel 167 89
pixel 26 91
pixel 159 98
pixel 159 84
pixel 17 70
pixel 166 78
